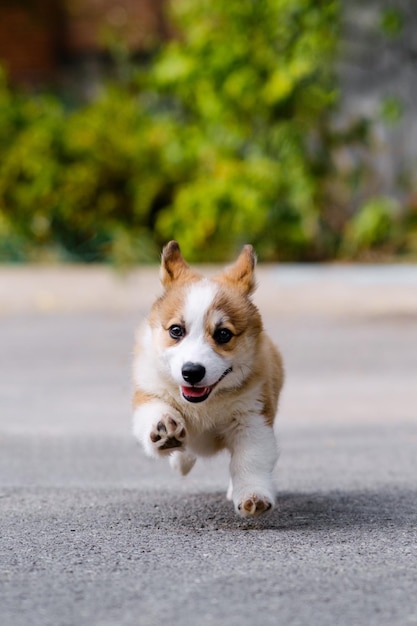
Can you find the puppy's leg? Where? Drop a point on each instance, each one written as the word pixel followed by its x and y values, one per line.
pixel 254 454
pixel 182 462
pixel 159 428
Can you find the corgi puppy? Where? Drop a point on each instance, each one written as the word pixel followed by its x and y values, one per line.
pixel 207 377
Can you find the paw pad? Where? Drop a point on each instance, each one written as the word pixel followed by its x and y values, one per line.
pixel 254 505
pixel 168 434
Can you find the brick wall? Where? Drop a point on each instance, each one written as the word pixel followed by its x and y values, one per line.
pixel 36 35
pixel 30 38
pixel 137 22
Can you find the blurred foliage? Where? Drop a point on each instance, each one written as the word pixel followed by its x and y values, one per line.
pixel 78 185
pixel 375 226
pixel 224 137
pixel 391 21
pixel 391 110
pixel 248 81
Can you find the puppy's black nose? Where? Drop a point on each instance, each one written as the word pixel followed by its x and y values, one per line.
pixel 193 372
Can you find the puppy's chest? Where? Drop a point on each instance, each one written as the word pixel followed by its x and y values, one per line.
pixel 219 418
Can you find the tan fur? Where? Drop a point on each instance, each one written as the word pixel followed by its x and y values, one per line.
pixel 141 397
pixel 174 270
pixel 273 381
pixel 240 275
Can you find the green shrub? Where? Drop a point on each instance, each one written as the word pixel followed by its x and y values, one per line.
pixel 249 81
pixel 375 226
pixel 223 138
pixel 82 183
pixel 212 147
pixel 29 131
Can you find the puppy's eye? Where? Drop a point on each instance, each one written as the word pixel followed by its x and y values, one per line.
pixel 222 335
pixel 176 331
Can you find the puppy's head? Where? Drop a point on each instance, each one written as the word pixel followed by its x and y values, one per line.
pixel 206 331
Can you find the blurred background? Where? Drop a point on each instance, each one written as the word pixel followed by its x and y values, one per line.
pixel 288 123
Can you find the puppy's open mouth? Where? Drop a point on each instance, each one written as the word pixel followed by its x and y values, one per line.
pixel 199 394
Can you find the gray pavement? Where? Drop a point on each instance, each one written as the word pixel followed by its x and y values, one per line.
pixel 93 533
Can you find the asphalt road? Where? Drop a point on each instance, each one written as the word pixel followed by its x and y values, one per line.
pixel 93 533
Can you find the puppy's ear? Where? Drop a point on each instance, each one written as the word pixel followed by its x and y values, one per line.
pixel 173 267
pixel 241 275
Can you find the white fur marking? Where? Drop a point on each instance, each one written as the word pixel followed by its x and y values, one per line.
pixel 194 347
pixel 199 299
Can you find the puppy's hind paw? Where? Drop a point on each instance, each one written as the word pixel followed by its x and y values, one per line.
pixel 168 434
pixel 254 506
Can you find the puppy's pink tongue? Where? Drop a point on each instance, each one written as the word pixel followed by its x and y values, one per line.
pixel 195 392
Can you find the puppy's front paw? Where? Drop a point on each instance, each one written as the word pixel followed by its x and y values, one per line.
pixel 254 505
pixel 168 434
